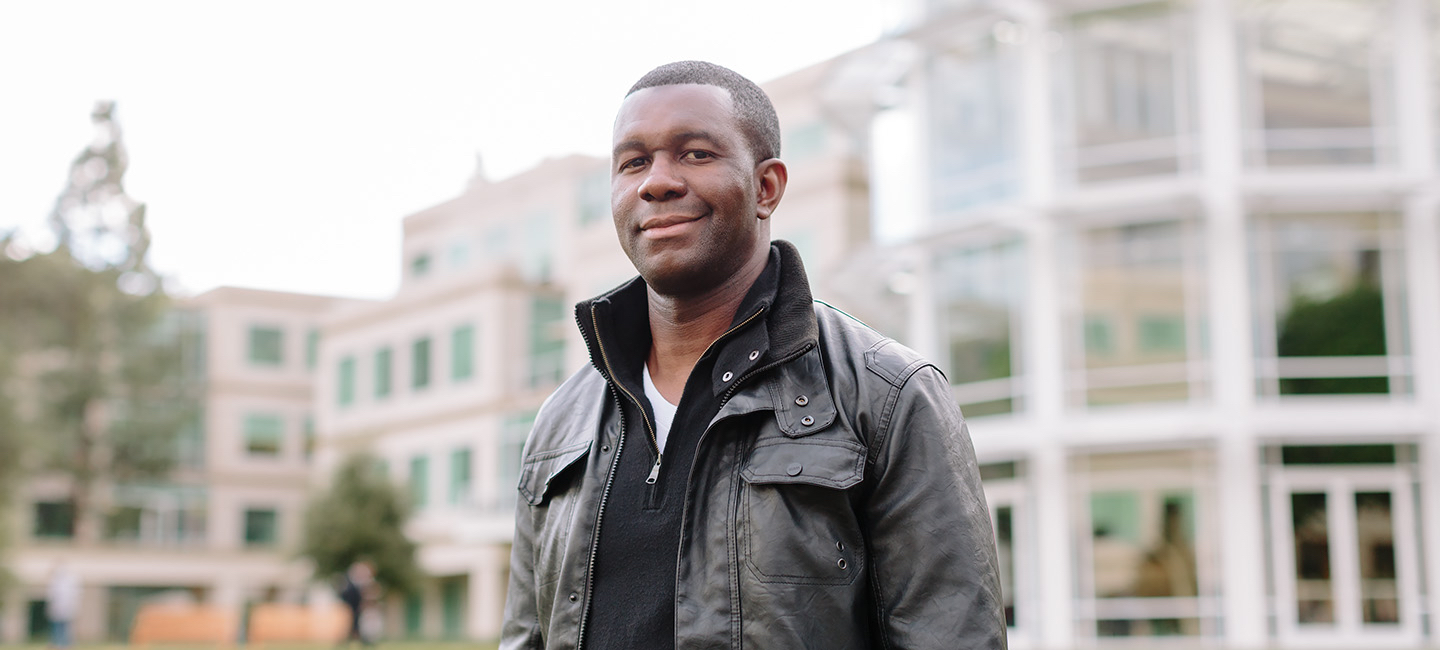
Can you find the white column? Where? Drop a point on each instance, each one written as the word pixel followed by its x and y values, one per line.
pixel 1053 542
pixel 12 617
pixel 924 334
pixel 1242 551
pixel 486 599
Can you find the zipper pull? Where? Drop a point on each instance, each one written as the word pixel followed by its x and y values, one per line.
pixel 654 471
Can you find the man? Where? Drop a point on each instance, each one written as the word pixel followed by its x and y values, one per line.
pixel 740 466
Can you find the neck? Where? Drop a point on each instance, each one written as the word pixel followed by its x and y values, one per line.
pixel 683 327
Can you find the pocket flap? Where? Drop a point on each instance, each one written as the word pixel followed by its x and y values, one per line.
pixel 827 463
pixel 541 467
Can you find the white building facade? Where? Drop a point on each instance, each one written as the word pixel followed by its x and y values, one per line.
pixel 1180 261
pixel 223 528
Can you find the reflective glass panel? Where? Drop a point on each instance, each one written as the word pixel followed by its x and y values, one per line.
pixel 980 290
pixel 1128 90
pixel 1375 528
pixel 1314 598
pixel 1137 285
pixel 1314 69
pixel 973 125
pixel 1328 280
pixel 1005 546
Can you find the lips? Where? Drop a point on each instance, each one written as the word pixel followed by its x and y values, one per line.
pixel 657 223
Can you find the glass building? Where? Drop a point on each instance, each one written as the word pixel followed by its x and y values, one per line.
pixel 1179 260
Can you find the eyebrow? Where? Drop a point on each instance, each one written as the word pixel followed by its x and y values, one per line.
pixel 685 136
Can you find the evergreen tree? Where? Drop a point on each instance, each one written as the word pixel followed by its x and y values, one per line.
pixel 91 381
pixel 361 517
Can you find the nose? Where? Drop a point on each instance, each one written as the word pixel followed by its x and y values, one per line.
pixel 662 182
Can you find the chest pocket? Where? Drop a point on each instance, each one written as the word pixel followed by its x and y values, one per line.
pixel 552 498
pixel 797 525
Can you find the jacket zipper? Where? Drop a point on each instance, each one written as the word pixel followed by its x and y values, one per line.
pixel 608 371
pixel 604 494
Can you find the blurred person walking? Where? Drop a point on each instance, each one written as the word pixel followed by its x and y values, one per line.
pixel 359 595
pixel 62 603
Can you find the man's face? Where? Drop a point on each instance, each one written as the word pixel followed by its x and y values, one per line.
pixel 683 188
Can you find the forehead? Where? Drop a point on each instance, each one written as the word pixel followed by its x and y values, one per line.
pixel 661 110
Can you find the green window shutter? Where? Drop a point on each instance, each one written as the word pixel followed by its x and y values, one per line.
pixel 54 519
pixel 452 595
pixel 420 265
pixel 414 615
pixel 261 527
pixel 462 353
pixel 382 372
pixel 267 345
pixel 312 348
pixel 420 363
pixel 309 433
pixel 419 481
pixel 460 476
pixel 347 381
pixel 547 341
pixel 263 434
pixel 512 443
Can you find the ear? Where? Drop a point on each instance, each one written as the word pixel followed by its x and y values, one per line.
pixel 770 179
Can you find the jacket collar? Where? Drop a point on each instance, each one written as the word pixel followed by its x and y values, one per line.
pixel 616 326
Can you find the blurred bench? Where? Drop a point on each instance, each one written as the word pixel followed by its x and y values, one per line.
pixel 281 622
pixel 183 623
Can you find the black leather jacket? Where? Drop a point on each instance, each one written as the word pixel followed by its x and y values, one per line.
pixel 852 518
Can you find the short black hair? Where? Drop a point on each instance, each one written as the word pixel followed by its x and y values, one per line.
pixel 753 109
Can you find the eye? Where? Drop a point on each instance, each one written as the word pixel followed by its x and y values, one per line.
pixel 632 163
pixel 699 155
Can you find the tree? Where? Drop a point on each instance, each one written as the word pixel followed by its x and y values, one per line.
pixel 361 517
pixel 91 380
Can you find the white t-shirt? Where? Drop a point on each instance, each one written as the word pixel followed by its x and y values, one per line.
pixel 664 410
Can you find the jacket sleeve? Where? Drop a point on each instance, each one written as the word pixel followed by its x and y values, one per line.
pixel 521 630
pixel 933 561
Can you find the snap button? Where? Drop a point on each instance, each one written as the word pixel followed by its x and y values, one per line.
pixel 604 447
pixel 574 596
pixel 727 376
pixel 794 469
pixel 840 546
pixel 842 564
pixel 802 400
pixel 754 354
pixel 807 420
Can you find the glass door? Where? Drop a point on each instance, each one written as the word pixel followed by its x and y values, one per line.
pixel 1345 557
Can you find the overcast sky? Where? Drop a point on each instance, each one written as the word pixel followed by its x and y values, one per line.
pixel 278 144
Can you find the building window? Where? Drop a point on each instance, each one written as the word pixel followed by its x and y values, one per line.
pixel 547 341
pixel 513 432
pixel 157 514
pixel 462 353
pixel 459 254
pixel 1144 567
pixel 534 259
pixel 974 135
pixel 594 197
pixel 308 431
pixel 414 615
pixel 420 363
pixel 1318 80
pixel 382 372
pixel 261 527
pixel 1329 293
pixel 804 141
pixel 452 610
pixel 460 476
pixel 420 481
pixel 346 382
pixel 312 348
pixel 263 434
pixel 1142 296
pixel 981 289
pixel 54 519
pixel 420 265
pixel 1127 93
pixel 267 345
